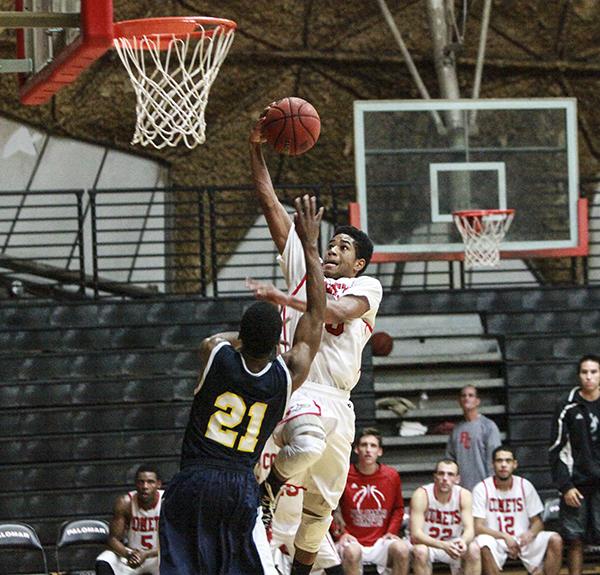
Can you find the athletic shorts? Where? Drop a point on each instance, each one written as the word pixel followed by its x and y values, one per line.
pixel 532 555
pixel 120 567
pixel 327 476
pixel 376 554
pixel 439 556
pixel 282 545
pixel 210 524
pixel 581 523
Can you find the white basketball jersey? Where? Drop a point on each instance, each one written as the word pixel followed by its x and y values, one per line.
pixel 337 363
pixel 143 527
pixel 506 511
pixel 443 521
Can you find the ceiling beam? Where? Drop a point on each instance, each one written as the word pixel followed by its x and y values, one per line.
pixel 329 57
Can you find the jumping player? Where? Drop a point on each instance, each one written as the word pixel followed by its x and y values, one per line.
pixel 209 521
pixel 317 433
pixel 507 512
pixel 286 519
pixel 441 524
pixel 135 519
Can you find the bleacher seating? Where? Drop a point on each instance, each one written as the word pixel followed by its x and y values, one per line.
pixel 91 389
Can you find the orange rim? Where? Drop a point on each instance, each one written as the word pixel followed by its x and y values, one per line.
pixel 178 26
pixel 480 213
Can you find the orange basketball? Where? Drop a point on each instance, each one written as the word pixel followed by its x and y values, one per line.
pixel 382 343
pixel 292 126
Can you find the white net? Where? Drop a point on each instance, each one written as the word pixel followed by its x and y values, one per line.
pixel 172 76
pixel 482 232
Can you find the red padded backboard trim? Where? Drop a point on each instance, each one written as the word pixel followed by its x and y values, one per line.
pixel 581 249
pixel 95 39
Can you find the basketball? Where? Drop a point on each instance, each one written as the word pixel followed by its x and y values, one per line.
pixel 382 343
pixel 292 126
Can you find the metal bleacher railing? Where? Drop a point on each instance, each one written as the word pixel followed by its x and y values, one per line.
pixel 142 243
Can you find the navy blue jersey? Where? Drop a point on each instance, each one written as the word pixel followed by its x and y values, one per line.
pixel 234 410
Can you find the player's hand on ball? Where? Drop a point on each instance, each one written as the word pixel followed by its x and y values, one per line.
pixel 256 135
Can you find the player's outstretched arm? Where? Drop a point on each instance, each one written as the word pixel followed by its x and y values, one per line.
pixel 277 218
pixel 308 332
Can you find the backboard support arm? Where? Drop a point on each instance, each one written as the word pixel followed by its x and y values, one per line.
pixel 39 20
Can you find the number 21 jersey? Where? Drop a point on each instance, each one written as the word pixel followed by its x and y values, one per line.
pixel 235 410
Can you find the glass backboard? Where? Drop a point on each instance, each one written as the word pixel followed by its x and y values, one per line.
pixel 413 171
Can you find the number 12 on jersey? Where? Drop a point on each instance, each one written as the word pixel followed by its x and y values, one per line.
pixel 231 411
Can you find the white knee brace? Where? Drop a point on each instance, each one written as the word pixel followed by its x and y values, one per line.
pixel 316 519
pixel 303 441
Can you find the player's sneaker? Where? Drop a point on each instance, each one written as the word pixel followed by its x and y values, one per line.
pixel 267 505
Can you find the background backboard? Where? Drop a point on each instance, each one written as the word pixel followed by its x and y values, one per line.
pixel 60 52
pixel 412 173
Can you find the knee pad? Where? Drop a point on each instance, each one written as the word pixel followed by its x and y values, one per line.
pixel 316 519
pixel 303 441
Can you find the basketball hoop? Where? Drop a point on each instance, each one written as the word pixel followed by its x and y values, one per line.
pixel 482 231
pixel 172 63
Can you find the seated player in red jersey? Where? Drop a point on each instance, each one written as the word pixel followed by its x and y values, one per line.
pixel 371 512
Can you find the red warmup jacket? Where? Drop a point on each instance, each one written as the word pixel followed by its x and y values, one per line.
pixel 372 505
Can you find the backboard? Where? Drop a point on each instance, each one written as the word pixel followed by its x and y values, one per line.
pixel 413 171
pixel 60 52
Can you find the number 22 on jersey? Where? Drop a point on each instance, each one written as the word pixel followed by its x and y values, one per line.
pixel 231 410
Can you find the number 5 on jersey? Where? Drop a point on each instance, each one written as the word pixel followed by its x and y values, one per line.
pixel 231 411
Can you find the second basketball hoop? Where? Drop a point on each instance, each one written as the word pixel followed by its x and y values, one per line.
pixel 482 232
pixel 172 63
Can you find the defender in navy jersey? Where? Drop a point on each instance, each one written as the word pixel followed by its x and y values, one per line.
pixel 209 521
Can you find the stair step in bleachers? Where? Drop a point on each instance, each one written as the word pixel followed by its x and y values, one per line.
pixel 431 325
pixel 17 449
pixel 83 475
pixel 556 321
pixel 551 372
pixel 96 418
pixel 544 346
pixel 403 386
pixel 101 391
pixel 437 354
pixel 398 441
pixel 112 337
pixel 452 412
pixel 32 365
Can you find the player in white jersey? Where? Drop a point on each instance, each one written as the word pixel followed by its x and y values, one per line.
pixel 133 538
pixel 441 524
pixel 317 433
pixel 507 513
pixel 286 519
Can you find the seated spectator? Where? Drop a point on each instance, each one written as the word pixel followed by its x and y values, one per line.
pixel 441 524
pixel 506 510
pixel 371 511
pixel 133 538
